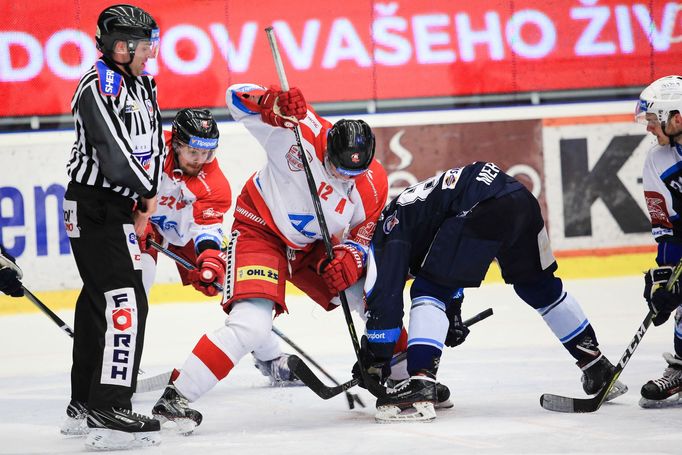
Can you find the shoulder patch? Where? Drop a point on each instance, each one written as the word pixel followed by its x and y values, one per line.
pixel 109 80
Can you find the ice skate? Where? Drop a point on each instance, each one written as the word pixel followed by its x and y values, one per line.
pixel 75 423
pixel 412 400
pixel 442 393
pixel 117 429
pixel 173 407
pixel 277 371
pixel 443 396
pixel 665 391
pixel 596 375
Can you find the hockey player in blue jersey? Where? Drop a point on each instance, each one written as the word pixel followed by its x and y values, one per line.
pixel 445 232
pixel 659 108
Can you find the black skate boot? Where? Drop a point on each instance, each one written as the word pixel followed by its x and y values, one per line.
pixel 277 371
pixel 443 395
pixel 75 423
pixel 410 400
pixel 596 374
pixel 117 428
pixel 173 407
pixel 664 392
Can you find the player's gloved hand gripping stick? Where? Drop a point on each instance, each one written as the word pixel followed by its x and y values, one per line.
pixel 304 373
pixel 5 262
pixel 375 388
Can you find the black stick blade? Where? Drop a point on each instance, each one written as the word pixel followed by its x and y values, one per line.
pixel 303 372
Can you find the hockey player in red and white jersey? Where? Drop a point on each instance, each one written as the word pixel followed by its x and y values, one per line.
pixel 193 196
pixel 660 108
pixel 276 236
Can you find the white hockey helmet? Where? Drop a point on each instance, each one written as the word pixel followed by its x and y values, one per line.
pixel 663 96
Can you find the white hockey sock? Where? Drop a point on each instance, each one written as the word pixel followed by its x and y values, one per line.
pixel 565 317
pixel 428 322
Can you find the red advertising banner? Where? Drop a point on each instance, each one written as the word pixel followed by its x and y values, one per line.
pixel 351 50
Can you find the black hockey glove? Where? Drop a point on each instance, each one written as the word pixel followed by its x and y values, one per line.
pixel 378 369
pixel 457 331
pixel 661 301
pixel 9 280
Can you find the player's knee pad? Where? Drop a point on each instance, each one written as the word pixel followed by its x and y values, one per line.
pixel 247 327
pixel 541 293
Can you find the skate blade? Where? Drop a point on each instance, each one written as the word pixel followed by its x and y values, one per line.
pixel 670 402
pixel 617 390
pixel 421 411
pixel 447 404
pixel 181 425
pixel 74 427
pixel 294 383
pixel 104 439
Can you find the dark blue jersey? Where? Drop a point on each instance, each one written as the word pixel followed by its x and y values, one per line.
pixel 417 214
pixel 419 233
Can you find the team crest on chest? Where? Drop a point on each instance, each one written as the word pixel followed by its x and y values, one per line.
pixel 391 222
pixel 294 160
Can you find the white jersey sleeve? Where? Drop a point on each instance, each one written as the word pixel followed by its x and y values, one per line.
pixel 662 182
pixel 280 189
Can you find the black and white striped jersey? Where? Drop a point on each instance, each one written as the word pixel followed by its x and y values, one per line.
pixel 119 138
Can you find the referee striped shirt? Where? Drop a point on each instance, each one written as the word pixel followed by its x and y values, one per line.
pixel 119 139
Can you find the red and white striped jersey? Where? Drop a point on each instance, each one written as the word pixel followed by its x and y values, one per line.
pixel 280 190
pixel 191 208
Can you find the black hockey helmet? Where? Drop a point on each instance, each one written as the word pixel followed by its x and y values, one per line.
pixel 125 23
pixel 196 128
pixel 350 146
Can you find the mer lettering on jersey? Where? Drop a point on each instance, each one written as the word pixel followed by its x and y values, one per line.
pixel 488 173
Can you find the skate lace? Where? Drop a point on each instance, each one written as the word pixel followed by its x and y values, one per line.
pixel 177 400
pixel 671 378
pixel 279 368
pixel 134 415
pixel 398 387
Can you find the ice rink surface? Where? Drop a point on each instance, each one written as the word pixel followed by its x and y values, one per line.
pixel 496 379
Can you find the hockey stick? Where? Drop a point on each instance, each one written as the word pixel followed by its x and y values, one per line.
pixel 560 403
pixel 303 372
pixel 5 262
pixel 375 388
pixel 36 301
pixel 179 259
pixel 56 319
pixel 352 398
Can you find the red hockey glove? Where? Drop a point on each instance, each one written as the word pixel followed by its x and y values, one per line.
pixel 149 234
pixel 344 269
pixel 283 109
pixel 211 265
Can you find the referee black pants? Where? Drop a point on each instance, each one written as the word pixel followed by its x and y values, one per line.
pixel 111 309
